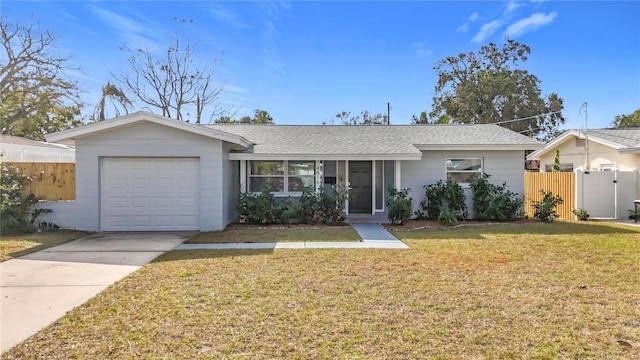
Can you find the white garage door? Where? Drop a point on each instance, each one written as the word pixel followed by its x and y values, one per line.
pixel 150 194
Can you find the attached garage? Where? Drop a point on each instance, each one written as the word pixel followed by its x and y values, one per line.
pixel 144 172
pixel 149 194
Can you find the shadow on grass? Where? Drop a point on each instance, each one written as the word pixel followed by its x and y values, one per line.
pixel 196 254
pixel 479 231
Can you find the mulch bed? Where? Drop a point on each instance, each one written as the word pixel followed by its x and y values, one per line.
pixel 409 225
pixel 416 224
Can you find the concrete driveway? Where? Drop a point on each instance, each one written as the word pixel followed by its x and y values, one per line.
pixel 39 288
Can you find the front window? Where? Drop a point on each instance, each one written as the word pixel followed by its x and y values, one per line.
pixel 463 171
pixel 272 175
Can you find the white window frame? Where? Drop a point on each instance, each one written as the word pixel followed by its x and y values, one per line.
pixel 463 184
pixel 285 176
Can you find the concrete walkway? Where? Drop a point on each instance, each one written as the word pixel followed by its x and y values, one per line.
pixel 39 288
pixel 374 236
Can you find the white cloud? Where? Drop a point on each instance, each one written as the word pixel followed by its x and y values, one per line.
pixel 463 28
pixel 487 30
pixel 512 6
pixel 227 17
pixel 529 24
pixel 271 58
pixel 137 33
pixel 421 50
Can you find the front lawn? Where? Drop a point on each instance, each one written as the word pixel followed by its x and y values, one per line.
pixel 246 233
pixel 544 291
pixel 13 246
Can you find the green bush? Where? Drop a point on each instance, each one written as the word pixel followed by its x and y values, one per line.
pixel 18 213
pixel 494 202
pixel 330 206
pixel 398 205
pixel 581 214
pixel 310 208
pixel 442 197
pixel 259 208
pixel 545 209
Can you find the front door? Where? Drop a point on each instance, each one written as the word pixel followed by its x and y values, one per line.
pixel 360 184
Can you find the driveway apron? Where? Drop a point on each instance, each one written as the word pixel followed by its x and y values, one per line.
pixel 39 288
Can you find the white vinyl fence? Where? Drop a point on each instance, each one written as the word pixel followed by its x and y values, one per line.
pixel 607 194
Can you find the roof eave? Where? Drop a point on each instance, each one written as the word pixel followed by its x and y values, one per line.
pixel 352 157
pixel 580 134
pixel 629 150
pixel 453 147
pixel 69 136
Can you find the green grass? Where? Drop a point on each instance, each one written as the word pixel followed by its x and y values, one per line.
pixel 13 246
pixel 240 233
pixel 534 291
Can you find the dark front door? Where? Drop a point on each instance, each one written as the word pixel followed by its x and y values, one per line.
pixel 360 184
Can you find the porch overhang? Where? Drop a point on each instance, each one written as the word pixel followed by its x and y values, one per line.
pixel 352 157
pixel 478 147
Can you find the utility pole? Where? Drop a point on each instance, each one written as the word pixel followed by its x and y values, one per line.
pixel 586 139
pixel 388 113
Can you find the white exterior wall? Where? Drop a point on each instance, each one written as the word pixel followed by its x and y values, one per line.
pixel 598 155
pixel 142 140
pixel 503 166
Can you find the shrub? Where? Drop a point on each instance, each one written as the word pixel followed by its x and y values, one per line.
pixel 545 209
pixel 259 208
pixel 443 197
pixel 321 207
pixel 330 206
pixel 18 213
pixel 494 202
pixel 581 214
pixel 448 216
pixel 398 205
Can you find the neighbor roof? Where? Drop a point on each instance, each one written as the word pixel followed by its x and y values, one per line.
pixel 623 140
pixel 18 140
pixel 399 142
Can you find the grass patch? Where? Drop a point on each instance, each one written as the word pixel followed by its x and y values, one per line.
pixel 13 246
pixel 241 233
pixel 474 292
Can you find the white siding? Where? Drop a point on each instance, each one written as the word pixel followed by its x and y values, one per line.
pixel 146 140
pixel 501 165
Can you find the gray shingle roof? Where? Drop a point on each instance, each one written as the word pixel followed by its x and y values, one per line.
pixel 626 137
pixel 372 139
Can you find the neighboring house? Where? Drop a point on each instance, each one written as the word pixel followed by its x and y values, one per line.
pixel 592 150
pixel 19 149
pixel 146 172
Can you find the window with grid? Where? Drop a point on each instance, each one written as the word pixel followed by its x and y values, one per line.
pixel 272 175
pixel 463 171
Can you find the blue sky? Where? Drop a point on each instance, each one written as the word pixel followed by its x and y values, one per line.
pixel 305 61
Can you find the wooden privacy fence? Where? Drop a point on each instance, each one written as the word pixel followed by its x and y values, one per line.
pixel 559 183
pixel 50 181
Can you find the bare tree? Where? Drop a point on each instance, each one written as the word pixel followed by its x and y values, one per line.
pixel 173 82
pixel 35 96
